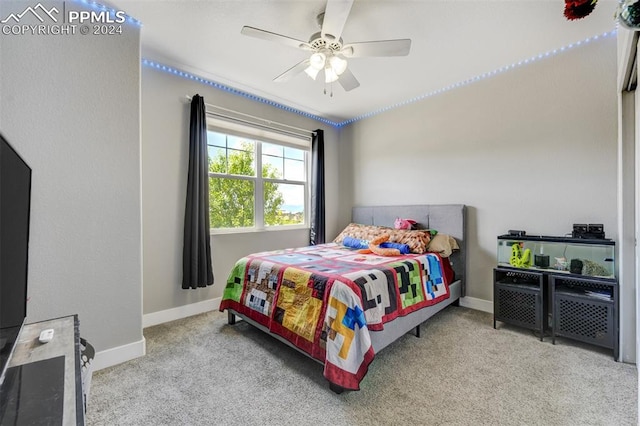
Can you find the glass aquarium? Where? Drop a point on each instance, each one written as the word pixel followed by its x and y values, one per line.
pixel 589 257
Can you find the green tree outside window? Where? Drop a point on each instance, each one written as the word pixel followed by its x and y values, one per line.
pixel 231 200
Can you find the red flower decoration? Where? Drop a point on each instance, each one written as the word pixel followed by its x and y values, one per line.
pixel 578 9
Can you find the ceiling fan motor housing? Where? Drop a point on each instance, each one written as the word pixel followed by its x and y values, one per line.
pixel 317 42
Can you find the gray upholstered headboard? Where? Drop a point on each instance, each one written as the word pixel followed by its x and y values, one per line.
pixel 445 218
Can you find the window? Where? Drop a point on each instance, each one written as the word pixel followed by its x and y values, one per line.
pixel 254 183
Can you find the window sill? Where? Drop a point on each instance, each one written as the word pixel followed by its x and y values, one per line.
pixel 256 230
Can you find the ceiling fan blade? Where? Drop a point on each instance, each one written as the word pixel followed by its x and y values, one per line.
pixel 278 38
pixel 335 16
pixel 348 81
pixel 296 69
pixel 400 47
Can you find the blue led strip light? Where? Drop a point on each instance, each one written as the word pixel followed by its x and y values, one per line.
pixel 98 6
pixel 219 86
pixel 481 77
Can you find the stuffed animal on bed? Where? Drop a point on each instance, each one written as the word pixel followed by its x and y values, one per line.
pixel 363 245
pixel 404 223
pixel 374 247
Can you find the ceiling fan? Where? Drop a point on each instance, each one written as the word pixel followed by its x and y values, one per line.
pixel 328 53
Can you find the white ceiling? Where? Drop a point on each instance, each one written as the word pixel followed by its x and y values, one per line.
pixel 452 41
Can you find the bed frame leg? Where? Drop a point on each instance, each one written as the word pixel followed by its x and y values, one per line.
pixel 456 303
pixel 335 388
pixel 231 318
pixel 418 331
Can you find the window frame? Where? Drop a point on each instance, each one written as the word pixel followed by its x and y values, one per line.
pixel 260 136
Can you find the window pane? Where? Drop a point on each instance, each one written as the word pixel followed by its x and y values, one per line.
pixel 272 167
pixel 237 158
pixel 283 204
pixel 271 149
pixel 294 170
pixel 272 160
pixel 216 139
pixel 217 159
pixel 242 162
pixel 237 142
pixel 231 203
pixel 293 153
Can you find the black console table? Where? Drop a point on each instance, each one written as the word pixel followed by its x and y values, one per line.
pixel 586 310
pixel 43 381
pixel 575 295
pixel 519 299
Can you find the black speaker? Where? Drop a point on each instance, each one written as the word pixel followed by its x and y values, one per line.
pixel 579 230
pixel 592 230
pixel 596 228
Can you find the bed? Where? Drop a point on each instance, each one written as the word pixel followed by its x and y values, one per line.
pixel 339 306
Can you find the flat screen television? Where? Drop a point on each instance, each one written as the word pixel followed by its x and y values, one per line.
pixel 15 206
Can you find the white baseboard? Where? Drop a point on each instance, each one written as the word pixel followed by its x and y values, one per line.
pixel 120 354
pixel 477 304
pixel 184 311
pixel 114 356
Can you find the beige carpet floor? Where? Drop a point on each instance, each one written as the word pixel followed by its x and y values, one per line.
pixel 201 371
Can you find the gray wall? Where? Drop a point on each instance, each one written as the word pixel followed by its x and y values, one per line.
pixel 533 148
pixel 165 124
pixel 70 105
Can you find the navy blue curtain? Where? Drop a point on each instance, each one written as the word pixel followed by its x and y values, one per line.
pixel 197 270
pixel 317 234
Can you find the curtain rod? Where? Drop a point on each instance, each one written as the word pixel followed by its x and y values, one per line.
pixel 257 121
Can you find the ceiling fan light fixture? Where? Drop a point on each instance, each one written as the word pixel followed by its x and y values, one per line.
pixel 317 60
pixel 338 65
pixel 312 72
pixel 330 75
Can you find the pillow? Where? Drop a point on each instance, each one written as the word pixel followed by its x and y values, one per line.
pixel 359 232
pixel 443 244
pixel 417 240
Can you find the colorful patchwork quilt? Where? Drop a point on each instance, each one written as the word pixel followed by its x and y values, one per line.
pixel 325 298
